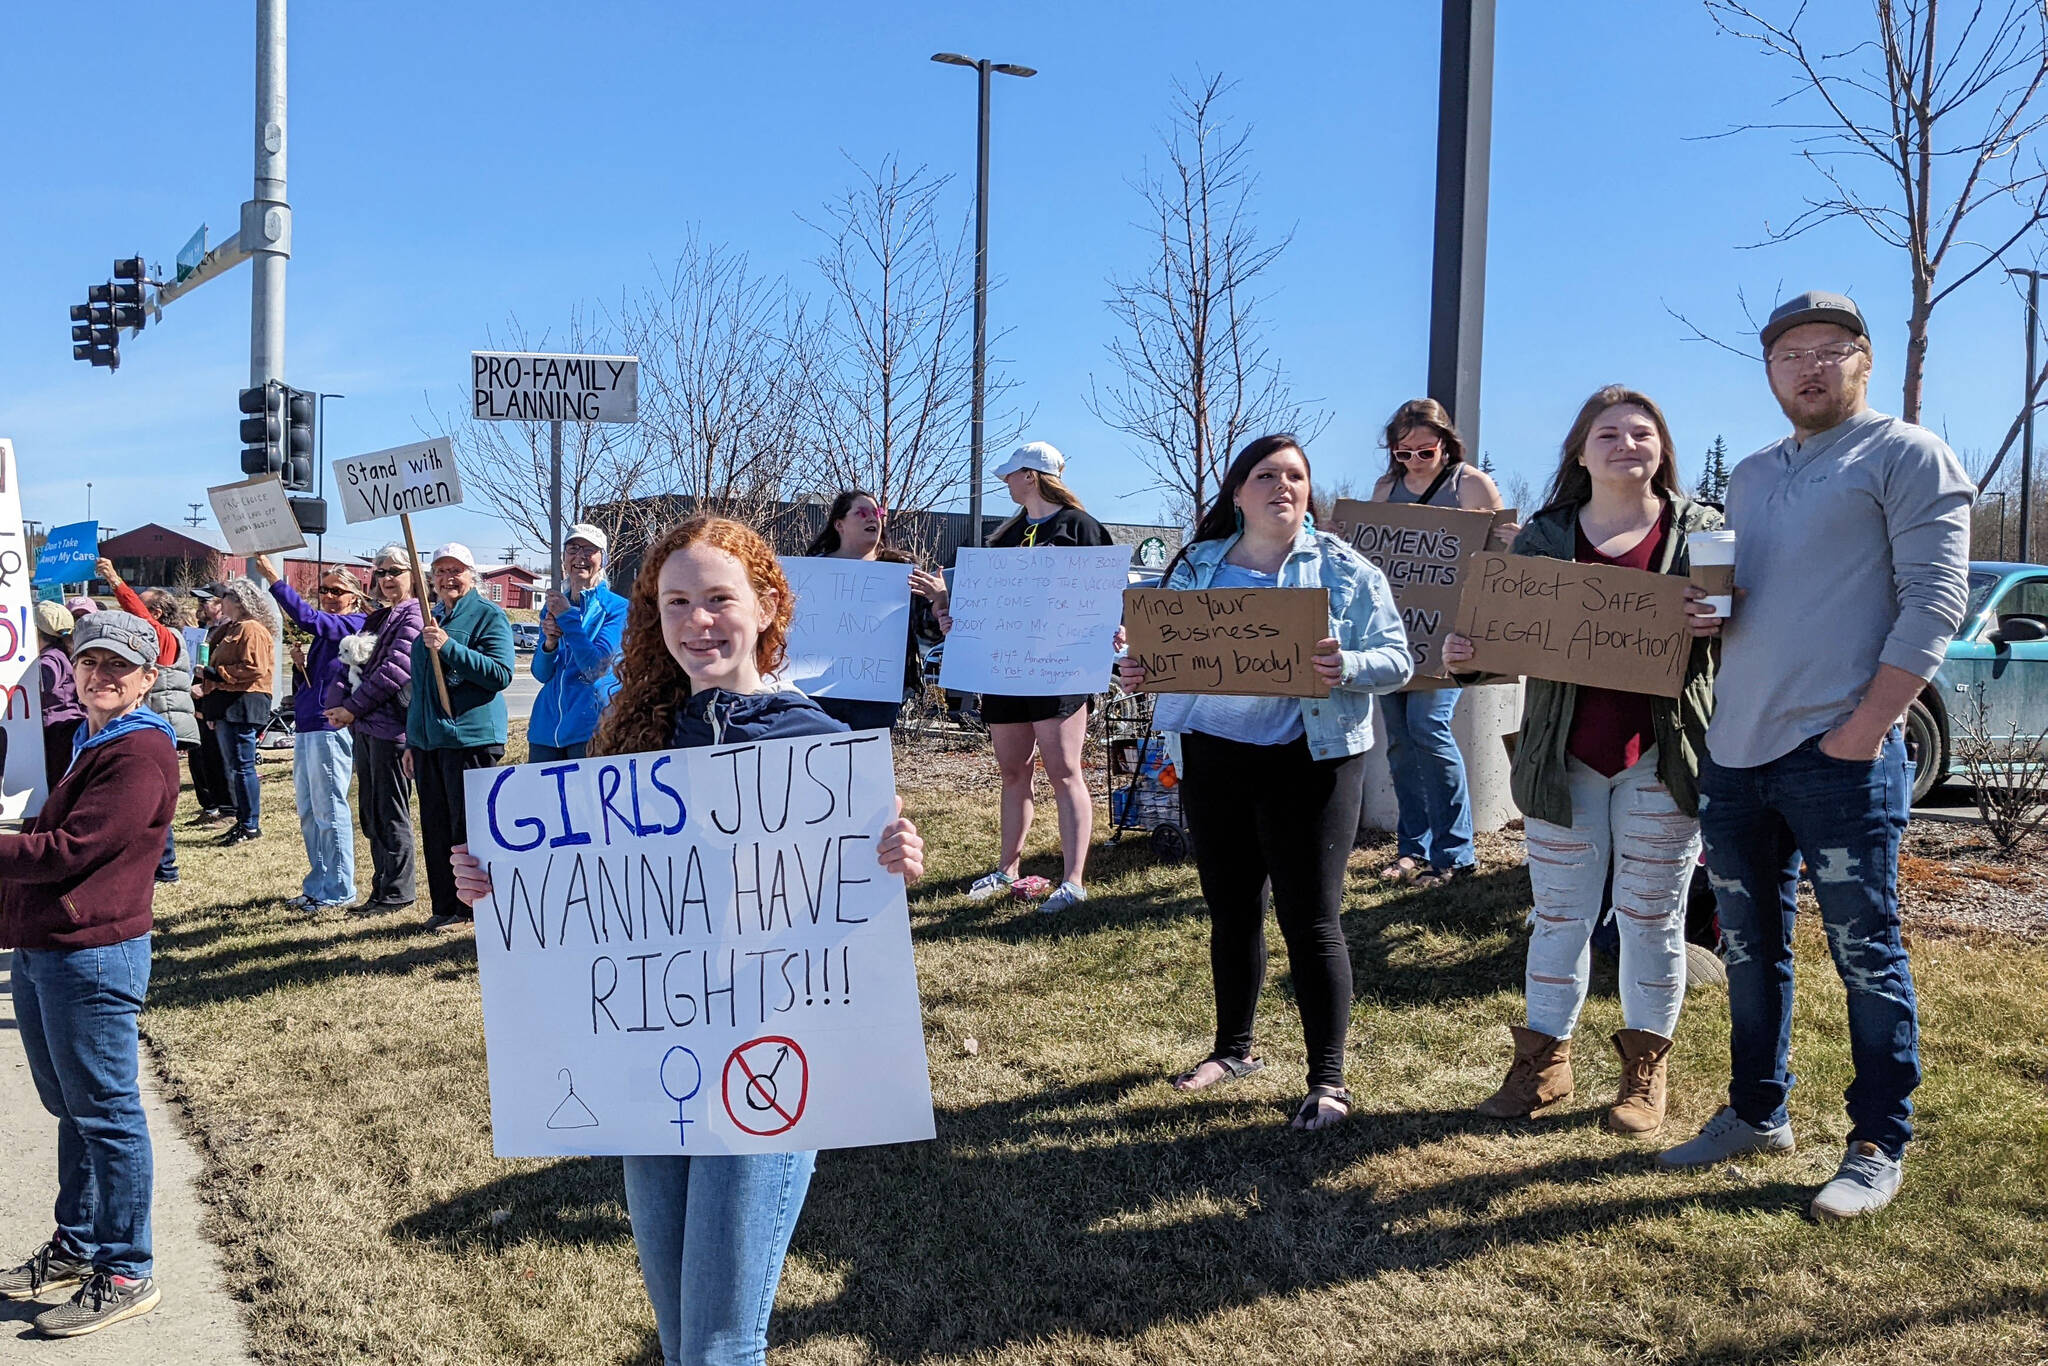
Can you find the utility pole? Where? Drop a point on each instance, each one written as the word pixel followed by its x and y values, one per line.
pixel 2027 421
pixel 1464 143
pixel 194 518
pixel 266 230
pixel 977 413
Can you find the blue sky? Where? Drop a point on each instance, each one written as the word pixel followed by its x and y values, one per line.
pixel 456 163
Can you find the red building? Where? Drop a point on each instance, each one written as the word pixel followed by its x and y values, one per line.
pixel 512 586
pixel 152 556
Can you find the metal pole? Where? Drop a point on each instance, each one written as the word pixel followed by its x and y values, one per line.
pixel 2027 435
pixel 555 505
pixel 975 427
pixel 1464 139
pixel 267 218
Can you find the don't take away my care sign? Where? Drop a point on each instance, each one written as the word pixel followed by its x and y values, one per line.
pixel 697 952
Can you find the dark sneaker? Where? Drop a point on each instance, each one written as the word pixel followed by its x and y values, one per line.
pixel 104 1299
pixel 47 1268
pixel 1865 1183
pixel 1727 1135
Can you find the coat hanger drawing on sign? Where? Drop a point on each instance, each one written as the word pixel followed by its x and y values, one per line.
pixel 572 1113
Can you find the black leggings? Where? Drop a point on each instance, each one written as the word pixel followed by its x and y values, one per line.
pixel 1260 812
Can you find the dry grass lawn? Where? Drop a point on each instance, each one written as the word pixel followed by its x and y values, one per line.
pixel 1076 1209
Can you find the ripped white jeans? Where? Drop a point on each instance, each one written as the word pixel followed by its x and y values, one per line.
pixel 1653 846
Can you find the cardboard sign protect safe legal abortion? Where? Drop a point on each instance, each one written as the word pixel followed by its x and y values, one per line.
pixel 697 951
pixel 1576 623
pixel 1254 642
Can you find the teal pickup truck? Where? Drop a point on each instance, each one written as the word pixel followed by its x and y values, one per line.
pixel 2002 648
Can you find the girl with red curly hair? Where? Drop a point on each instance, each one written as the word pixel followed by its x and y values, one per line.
pixel 707 621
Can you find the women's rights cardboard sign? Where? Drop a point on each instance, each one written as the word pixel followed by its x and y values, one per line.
pixel 1576 623
pixel 697 951
pixel 1255 642
pixel 1422 550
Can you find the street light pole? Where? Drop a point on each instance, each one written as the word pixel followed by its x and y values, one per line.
pixel 320 459
pixel 266 230
pixel 977 413
pixel 1464 141
pixel 2027 418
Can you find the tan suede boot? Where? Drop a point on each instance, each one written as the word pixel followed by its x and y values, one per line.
pixel 1645 1057
pixel 1541 1075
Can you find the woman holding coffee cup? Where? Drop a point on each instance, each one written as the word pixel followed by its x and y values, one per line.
pixel 1608 778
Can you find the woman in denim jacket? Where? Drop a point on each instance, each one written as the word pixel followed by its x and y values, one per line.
pixel 1271 785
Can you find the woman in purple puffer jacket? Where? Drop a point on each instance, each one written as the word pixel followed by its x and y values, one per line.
pixel 370 698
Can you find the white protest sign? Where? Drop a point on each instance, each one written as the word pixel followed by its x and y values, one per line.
pixel 851 628
pixel 697 952
pixel 1035 622
pixel 255 516
pixel 23 784
pixel 519 386
pixel 404 479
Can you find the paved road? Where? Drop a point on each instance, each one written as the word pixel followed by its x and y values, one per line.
pixel 1951 801
pixel 525 687
pixel 197 1321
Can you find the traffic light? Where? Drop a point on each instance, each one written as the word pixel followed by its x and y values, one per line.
pixel 263 429
pixel 96 324
pixel 298 440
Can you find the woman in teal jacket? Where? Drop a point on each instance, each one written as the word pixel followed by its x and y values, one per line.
pixel 472 638
pixel 579 647
pixel 1271 785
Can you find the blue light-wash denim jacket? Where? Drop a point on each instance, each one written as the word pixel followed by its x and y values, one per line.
pixel 1363 619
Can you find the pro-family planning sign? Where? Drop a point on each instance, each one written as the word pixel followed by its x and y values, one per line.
pixel 697 952
pixel 404 479
pixel 1035 622
pixel 851 628
pixel 518 386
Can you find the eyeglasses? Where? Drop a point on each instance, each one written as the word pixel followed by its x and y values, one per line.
pixel 329 591
pixel 1405 455
pixel 1830 356
pixel 387 574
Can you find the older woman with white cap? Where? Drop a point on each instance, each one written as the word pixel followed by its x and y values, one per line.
pixel 1048 514
pixel 471 638
pixel 580 631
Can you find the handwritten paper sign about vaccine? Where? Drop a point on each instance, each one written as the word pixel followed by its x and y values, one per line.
pixel 1255 642
pixel 697 952
pixel 1576 623
pixel 1037 622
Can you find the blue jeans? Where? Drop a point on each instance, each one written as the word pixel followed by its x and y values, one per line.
pixel 321 764
pixel 712 1232
pixel 167 866
pixel 1435 825
pixel 1846 818
pixel 238 751
pixel 555 754
pixel 77 1009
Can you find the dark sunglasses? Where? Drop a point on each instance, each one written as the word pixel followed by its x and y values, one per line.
pixel 387 573
pixel 1423 453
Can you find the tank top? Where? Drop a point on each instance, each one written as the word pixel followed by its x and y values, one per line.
pixel 1445 496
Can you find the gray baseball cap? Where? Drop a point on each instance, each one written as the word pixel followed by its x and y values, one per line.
pixel 1814 306
pixel 118 633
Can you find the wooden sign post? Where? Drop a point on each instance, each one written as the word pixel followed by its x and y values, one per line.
pixel 1249 642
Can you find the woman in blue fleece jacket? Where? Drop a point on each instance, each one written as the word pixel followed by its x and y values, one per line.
pixel 579 646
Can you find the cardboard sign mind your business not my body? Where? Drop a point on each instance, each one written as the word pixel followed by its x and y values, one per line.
pixel 1256 642
pixel 697 952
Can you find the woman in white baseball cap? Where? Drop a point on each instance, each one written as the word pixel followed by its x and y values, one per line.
pixel 1048 514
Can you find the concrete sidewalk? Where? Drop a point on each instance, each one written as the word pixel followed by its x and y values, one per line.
pixel 196 1322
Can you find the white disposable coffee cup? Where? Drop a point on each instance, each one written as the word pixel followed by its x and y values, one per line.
pixel 1713 568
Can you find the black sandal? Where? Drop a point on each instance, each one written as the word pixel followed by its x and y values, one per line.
pixel 1312 1108
pixel 1234 1069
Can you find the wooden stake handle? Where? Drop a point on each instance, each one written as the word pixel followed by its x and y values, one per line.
pixel 426 605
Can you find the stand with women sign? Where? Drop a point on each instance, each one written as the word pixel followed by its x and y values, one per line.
pixel 696 952
pixel 397 483
pixel 22 784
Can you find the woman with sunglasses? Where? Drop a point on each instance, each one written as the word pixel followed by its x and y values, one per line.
pixel 1426 464
pixel 854 530
pixel 323 754
pixel 369 700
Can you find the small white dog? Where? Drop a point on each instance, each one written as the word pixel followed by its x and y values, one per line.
pixel 355 651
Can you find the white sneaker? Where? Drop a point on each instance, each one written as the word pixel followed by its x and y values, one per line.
pixel 1067 895
pixel 990 884
pixel 1865 1183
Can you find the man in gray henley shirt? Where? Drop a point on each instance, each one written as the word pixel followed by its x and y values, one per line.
pixel 1851 564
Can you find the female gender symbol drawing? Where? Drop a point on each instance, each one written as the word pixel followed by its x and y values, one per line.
pixel 681 1121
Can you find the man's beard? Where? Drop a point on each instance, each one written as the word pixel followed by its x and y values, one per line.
pixel 1823 415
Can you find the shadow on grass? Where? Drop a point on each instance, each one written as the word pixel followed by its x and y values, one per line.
pixel 232 974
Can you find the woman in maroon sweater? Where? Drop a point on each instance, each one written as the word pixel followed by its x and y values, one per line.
pixel 75 906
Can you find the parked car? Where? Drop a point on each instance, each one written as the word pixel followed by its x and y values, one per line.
pixel 525 636
pixel 2002 648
